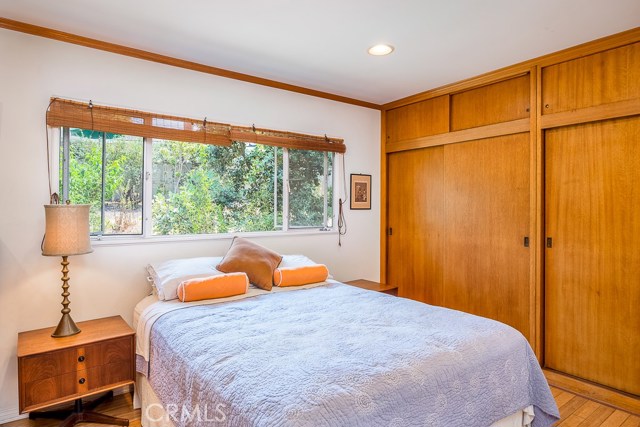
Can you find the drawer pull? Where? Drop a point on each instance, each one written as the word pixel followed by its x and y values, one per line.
pixel 82 380
pixel 81 359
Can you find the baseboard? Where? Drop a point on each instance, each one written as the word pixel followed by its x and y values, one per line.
pixel 601 394
pixel 10 414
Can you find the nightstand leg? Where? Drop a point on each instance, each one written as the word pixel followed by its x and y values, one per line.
pixel 58 415
pixel 71 420
pixel 95 402
pixel 94 417
pixel 79 414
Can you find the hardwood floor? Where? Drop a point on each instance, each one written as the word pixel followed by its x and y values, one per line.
pixel 579 411
pixel 575 411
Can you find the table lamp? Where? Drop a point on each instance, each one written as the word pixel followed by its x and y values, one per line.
pixel 66 233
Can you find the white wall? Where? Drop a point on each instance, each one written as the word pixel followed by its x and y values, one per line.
pixel 111 280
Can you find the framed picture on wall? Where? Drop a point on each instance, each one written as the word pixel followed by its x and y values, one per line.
pixel 360 191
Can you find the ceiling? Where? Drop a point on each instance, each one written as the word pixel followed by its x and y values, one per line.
pixel 323 45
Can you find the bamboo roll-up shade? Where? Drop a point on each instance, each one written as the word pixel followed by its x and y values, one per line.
pixel 63 112
pixel 81 115
pixel 287 139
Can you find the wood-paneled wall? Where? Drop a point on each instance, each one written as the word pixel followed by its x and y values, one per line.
pixel 466 187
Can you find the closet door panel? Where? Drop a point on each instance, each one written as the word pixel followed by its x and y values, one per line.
pixel 592 275
pixel 609 76
pixel 424 118
pixel 416 222
pixel 494 103
pixel 487 218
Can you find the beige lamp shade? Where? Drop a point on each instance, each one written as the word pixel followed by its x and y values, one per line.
pixel 67 230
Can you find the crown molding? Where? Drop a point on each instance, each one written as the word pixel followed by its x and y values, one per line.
pixel 62 36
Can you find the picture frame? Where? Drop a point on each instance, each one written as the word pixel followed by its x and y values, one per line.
pixel 360 192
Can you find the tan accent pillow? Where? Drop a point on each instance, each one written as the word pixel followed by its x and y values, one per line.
pixel 247 257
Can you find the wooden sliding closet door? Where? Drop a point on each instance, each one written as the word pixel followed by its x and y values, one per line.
pixel 415 223
pixel 592 269
pixel 486 264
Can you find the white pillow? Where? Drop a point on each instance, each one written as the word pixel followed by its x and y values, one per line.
pixel 168 275
pixel 289 261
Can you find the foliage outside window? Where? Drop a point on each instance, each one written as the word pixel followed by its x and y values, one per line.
pixel 194 188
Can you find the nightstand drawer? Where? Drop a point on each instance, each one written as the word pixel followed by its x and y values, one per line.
pixel 49 365
pixel 52 370
pixel 48 389
pixel 101 376
pixel 76 383
pixel 58 363
pixel 106 352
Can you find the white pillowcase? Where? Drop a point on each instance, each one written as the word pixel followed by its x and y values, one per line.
pixel 168 275
pixel 289 261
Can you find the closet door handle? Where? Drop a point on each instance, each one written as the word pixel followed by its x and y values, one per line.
pixel 526 241
pixel 549 242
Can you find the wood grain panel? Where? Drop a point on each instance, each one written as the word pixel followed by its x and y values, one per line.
pixel 613 110
pixel 423 118
pixel 535 197
pixel 113 373
pixel 486 266
pixel 592 280
pixel 106 352
pixel 48 389
pixel 48 365
pixel 416 203
pixel 488 131
pixel 504 101
pixel 602 78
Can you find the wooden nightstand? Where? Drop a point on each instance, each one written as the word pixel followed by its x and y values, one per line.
pixel 59 370
pixel 374 286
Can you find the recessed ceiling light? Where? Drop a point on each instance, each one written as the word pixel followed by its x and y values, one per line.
pixel 380 49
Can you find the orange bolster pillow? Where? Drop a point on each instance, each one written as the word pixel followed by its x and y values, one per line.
pixel 296 276
pixel 220 286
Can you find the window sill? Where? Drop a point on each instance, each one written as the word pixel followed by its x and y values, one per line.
pixel 140 240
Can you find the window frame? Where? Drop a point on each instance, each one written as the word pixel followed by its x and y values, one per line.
pixel 60 140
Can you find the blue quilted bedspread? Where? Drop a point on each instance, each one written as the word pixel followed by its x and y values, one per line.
pixel 336 355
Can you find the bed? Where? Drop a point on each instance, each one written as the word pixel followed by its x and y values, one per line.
pixel 330 354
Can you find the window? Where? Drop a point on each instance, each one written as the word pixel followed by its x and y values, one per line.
pixel 194 188
pixel 105 171
pixel 310 188
pixel 206 189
